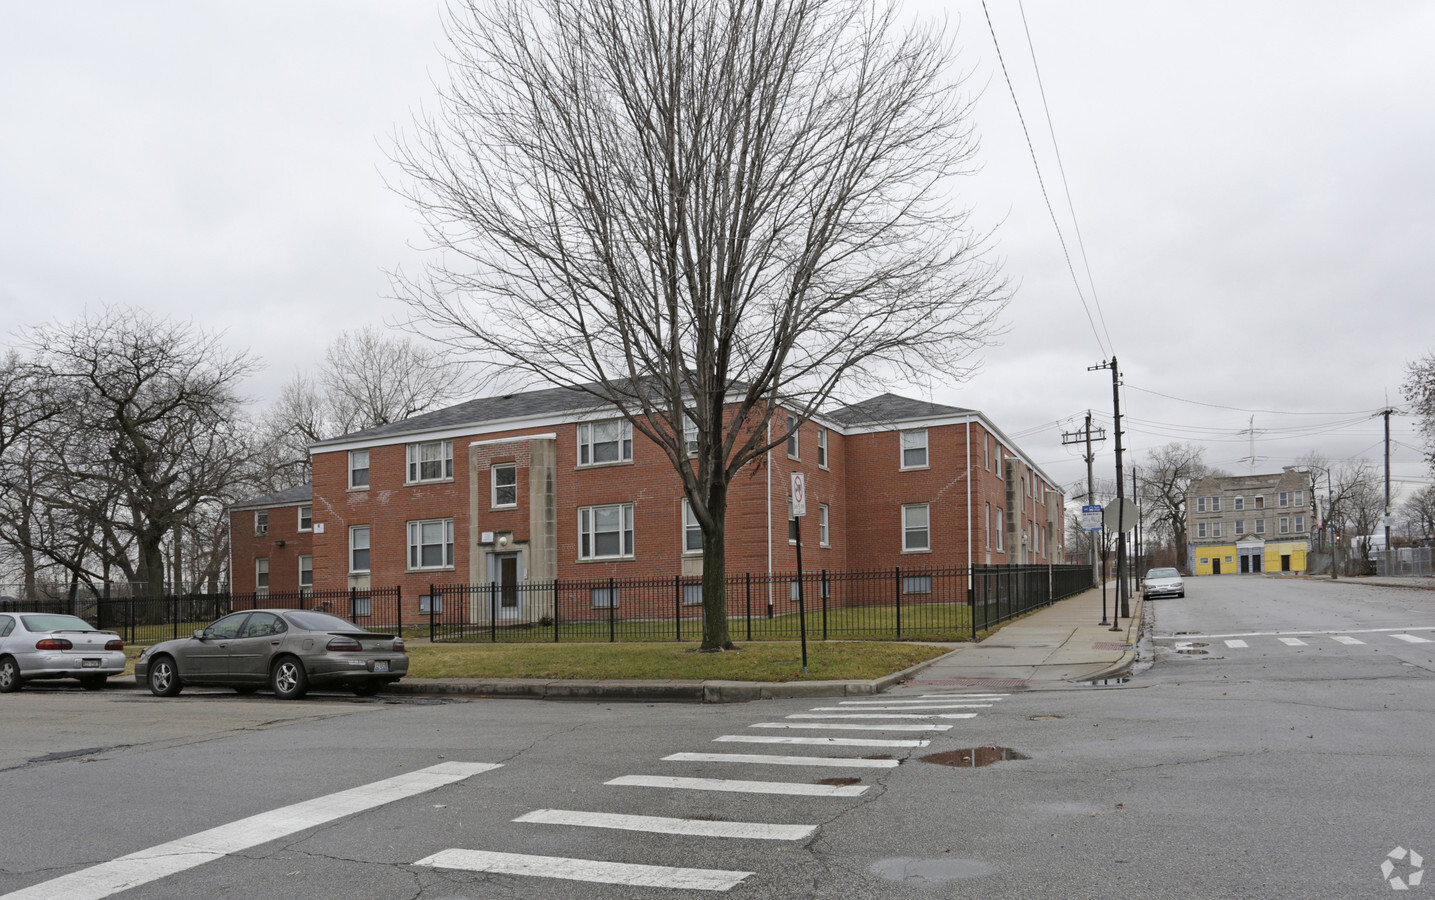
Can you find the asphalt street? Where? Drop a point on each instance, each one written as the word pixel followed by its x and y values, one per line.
pixel 1265 768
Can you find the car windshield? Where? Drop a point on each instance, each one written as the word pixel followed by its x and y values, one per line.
pixel 56 623
pixel 318 621
pixel 1163 573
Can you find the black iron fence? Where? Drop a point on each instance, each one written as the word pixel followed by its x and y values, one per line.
pixel 901 604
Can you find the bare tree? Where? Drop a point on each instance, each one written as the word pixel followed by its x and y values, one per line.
pixel 1418 513
pixel 1165 475
pixel 148 430
pixel 700 211
pixel 1419 390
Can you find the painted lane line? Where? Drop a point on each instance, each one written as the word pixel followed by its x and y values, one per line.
pixel 728 785
pixel 965 696
pixel 1347 639
pixel 763 759
pixel 1235 644
pixel 761 831
pixel 821 741
pixel 176 856
pixel 1293 642
pixel 902 708
pixel 851 715
pixel 854 726
pixel 590 870
pixel 916 703
pixel 1410 639
pixel 1189 637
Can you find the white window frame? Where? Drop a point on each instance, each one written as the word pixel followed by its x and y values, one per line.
pixel 1240 527
pixel 1238 504
pixel 821 447
pixel 1283 525
pixel 989 526
pixel 1260 501
pixel 415 461
pixel 417 544
pixel 823 536
pixel 794 444
pixel 1260 526
pixel 1297 499
pixel 690 436
pixel 691 528
pixel 494 486
pixel 306 567
pixel 355 457
pixel 1215 529
pixel 588 531
pixel 1298 525
pixel 1216 503
pixel 367 547
pixel 1200 529
pixel 306 518
pixel 261 522
pixel 1200 504
pixel 1283 499
pixel 588 446
pixel 261 575
pixel 907 441
pixel 909 530
pixel 1001 529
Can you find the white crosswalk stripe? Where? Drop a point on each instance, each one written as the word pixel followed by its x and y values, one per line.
pixel 857 726
pixel 821 741
pixel 852 715
pixel 1293 642
pixel 764 759
pixel 913 702
pixel 734 786
pixel 665 825
pixel 590 870
pixel 1411 639
pixel 1345 639
pixel 1236 644
pixel 965 696
pixel 901 708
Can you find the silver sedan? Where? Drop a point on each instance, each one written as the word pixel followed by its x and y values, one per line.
pixel 50 645
pixel 286 650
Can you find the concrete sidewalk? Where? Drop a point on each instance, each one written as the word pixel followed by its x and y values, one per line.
pixel 1059 643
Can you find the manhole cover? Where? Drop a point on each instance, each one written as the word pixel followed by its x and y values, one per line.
pixel 972 757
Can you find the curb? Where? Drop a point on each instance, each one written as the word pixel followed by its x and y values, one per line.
pixel 1128 658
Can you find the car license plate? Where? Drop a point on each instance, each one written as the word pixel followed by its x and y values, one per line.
pixel 90 663
pixel 381 665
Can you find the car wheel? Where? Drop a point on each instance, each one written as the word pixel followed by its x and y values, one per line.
pixel 9 676
pixel 288 679
pixel 93 682
pixel 367 690
pixel 164 677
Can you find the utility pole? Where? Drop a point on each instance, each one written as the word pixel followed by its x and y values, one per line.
pixel 1389 554
pixel 1085 434
pixel 1120 487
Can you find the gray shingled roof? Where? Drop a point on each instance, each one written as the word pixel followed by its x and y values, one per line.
pixel 301 494
pixel 885 409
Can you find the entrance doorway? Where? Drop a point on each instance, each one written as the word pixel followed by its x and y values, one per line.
pixel 505 571
pixel 1285 562
pixel 1245 565
pixel 1215 565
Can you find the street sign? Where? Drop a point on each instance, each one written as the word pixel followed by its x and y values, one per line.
pixel 1128 514
pixel 799 494
pixel 1091 517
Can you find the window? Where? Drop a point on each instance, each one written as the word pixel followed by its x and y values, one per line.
pixel 604 597
pixel 823 535
pixel 1205 560
pixel 359 548
pixel 1215 504
pixel 505 485
pixel 1283 499
pixel 1260 526
pixel 989 526
pixel 792 524
pixel 914 449
pixel 306 518
pixel 605 532
pixel 1200 529
pixel 1024 493
pixel 821 447
pixel 1001 529
pixel 1240 527
pixel 792 437
pixel 693 594
pixel 1260 502
pixel 261 521
pixel 306 572
pixel 605 442
pixel 1239 503
pixel 916 530
pixel 1200 504
pixel 690 436
pixel 692 531
pixel 1215 529
pixel 1285 525
pixel 1298 498
pixel 430 603
pixel 358 468
pixel 431 544
pixel 916 584
pixel 1299 523
pixel 263 624
pixel 261 575
pixel 430 461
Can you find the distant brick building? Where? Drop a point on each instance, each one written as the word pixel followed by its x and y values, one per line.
pixel 1248 524
pixel 540 486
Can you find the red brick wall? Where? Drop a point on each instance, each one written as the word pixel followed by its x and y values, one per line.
pixel 246 547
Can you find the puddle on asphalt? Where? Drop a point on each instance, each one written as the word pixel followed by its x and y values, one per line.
pixel 1190 652
pixel 933 872
pixel 973 757
pixel 839 782
pixel 1120 679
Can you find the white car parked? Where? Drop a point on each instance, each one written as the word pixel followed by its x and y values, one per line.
pixel 1162 583
pixel 49 645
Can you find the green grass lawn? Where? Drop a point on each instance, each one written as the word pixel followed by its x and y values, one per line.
pixel 760 661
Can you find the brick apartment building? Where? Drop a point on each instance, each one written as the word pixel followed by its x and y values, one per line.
pixel 540 486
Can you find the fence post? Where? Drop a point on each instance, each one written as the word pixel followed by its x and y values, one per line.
pixel 612 602
pixel 972 596
pixel 399 607
pixel 898 575
pixel 353 599
pixel 432 630
pixel 555 610
pixel 822 589
pixel 747 578
pixel 678 608
pixel 493 612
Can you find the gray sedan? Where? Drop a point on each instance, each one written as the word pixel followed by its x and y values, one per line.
pixel 286 650
pixel 1163 583
pixel 50 645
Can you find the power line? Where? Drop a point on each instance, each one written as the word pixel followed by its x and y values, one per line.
pixel 1270 412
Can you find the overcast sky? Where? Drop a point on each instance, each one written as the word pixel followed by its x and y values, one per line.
pixel 1253 184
